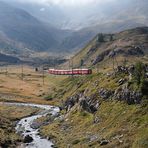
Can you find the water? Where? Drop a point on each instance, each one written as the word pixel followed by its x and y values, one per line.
pixel 23 126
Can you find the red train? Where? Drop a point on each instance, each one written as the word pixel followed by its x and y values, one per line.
pixel 70 72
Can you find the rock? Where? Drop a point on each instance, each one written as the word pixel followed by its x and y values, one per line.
pixel 121 69
pixel 101 57
pixel 118 137
pixel 121 81
pixel 90 104
pixel 71 101
pixel 96 120
pixel 61 118
pixel 35 125
pixel 125 94
pixel 135 51
pixel 105 94
pixel 28 139
pixel 103 142
pixel 93 138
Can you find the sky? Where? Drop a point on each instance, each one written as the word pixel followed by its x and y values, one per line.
pixel 65 2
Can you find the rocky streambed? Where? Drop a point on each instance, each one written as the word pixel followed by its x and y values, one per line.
pixel 31 136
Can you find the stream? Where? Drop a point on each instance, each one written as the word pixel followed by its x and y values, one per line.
pixel 24 126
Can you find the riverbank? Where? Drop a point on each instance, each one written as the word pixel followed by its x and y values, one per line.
pixel 9 116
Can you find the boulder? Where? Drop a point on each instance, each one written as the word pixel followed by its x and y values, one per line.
pixel 35 125
pixel 28 139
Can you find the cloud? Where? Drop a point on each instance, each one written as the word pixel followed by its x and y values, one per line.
pixel 42 9
pixel 65 2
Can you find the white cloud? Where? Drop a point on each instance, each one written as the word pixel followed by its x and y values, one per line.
pixel 65 2
pixel 42 9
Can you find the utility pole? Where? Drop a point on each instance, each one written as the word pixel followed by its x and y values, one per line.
pixel 72 65
pixel 22 68
pixel 6 72
pixel 81 64
pixel 69 63
pixel 43 74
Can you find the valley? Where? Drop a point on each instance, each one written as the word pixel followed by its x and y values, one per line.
pixel 110 105
pixel 46 101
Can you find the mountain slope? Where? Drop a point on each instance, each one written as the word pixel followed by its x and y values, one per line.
pixel 107 17
pixel 20 30
pixel 83 16
pixel 130 44
pixel 23 30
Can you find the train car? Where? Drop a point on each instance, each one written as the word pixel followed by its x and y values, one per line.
pixel 70 72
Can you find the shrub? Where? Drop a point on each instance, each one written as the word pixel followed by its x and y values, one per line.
pixel 139 76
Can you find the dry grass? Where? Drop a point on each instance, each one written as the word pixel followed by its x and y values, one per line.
pixel 30 88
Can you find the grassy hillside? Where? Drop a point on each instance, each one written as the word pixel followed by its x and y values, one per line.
pixel 108 108
pixel 130 46
pixel 105 109
pixel 117 122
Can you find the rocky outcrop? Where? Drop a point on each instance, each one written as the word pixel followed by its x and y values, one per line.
pixel 136 50
pixel 89 104
pixel 101 57
pixel 121 69
pixel 105 94
pixel 121 94
pixel 127 51
pixel 70 102
pixel 125 94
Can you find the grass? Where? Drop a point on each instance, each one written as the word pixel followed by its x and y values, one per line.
pixel 30 89
pixel 122 124
pixel 116 119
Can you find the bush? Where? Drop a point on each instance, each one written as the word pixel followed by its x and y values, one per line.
pixel 144 88
pixel 139 73
pixel 139 77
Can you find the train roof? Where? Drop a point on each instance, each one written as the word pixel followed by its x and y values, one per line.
pixel 68 69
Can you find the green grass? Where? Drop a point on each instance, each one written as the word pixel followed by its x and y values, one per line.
pixel 115 118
